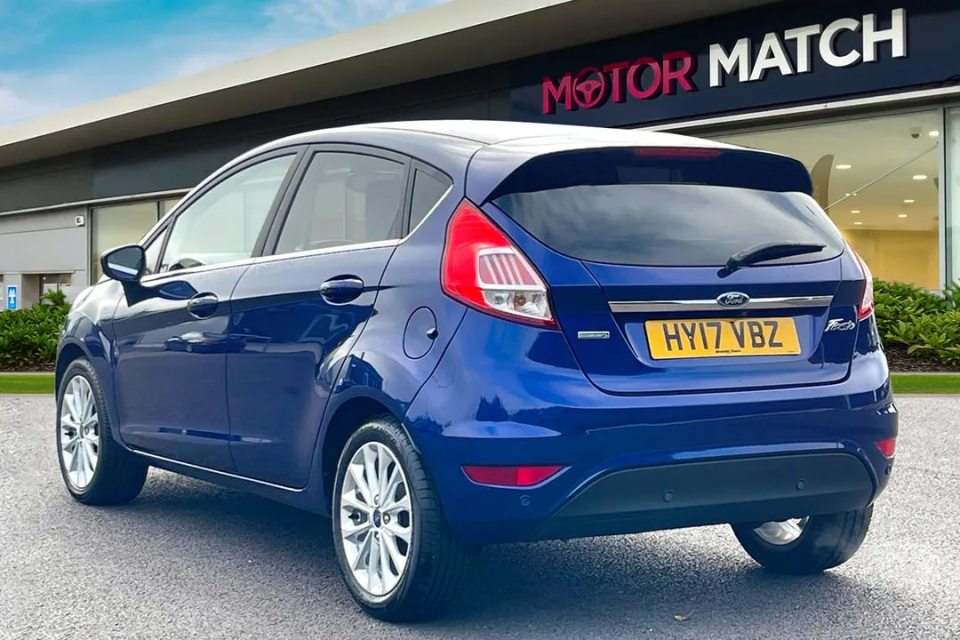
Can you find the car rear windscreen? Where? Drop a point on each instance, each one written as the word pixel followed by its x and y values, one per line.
pixel 667 207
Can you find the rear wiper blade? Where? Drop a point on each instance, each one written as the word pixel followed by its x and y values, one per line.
pixel 770 251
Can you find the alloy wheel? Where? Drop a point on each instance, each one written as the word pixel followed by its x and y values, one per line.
pixel 79 432
pixel 376 519
pixel 783 532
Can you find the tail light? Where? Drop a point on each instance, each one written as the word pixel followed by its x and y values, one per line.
pixel 483 269
pixel 509 476
pixel 866 300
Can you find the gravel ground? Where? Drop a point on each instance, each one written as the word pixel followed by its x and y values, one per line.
pixel 191 560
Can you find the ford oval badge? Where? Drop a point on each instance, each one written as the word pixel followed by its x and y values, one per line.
pixel 733 299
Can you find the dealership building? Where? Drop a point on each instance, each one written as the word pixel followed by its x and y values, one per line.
pixel 865 93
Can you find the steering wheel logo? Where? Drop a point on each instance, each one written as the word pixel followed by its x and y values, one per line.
pixel 590 88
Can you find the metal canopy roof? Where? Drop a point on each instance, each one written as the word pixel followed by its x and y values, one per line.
pixel 452 37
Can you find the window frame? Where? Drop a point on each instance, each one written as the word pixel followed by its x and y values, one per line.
pixel 283 211
pixel 159 235
pixel 167 224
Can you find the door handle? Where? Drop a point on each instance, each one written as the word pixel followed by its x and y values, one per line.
pixel 341 290
pixel 203 305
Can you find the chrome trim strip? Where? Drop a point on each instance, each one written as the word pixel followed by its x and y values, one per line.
pixel 340 248
pixel 665 306
pixel 293 255
pixel 175 275
pixel 215 472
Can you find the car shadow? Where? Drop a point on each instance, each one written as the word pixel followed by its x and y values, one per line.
pixel 691 582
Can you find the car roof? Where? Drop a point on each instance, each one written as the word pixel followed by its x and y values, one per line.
pixel 450 144
pixel 494 148
pixel 496 132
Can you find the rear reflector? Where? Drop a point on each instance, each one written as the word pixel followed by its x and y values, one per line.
pixel 507 476
pixel 887 447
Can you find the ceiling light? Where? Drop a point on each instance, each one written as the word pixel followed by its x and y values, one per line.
pixel 901 215
pixel 920 177
pixel 844 166
pixel 909 201
pixel 857 222
pixel 854 210
pixel 934 134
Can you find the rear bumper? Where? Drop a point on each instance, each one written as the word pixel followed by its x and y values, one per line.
pixel 691 494
pixel 506 394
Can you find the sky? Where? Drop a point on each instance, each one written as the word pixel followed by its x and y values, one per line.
pixel 57 54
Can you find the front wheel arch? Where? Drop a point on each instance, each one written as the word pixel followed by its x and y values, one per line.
pixel 69 352
pixel 118 475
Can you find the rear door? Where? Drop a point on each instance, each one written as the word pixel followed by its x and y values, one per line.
pixel 633 244
pixel 296 313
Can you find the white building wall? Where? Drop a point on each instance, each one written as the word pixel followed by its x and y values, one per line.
pixel 47 242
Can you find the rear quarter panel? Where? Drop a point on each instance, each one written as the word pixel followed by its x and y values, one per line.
pixel 393 356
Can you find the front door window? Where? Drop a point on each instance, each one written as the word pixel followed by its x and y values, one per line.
pixel 225 222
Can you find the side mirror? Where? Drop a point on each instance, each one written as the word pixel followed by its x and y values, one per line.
pixel 124 264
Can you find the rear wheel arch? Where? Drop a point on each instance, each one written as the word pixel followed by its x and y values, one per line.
pixel 346 419
pixel 426 571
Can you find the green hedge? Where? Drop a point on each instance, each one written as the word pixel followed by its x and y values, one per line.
pixel 28 337
pixel 925 323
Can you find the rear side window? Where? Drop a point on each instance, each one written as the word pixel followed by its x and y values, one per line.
pixel 427 191
pixel 663 207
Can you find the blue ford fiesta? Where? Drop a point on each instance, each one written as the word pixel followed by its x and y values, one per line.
pixel 451 334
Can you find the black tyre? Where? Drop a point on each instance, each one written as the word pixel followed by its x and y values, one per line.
pixel 395 552
pixel 806 545
pixel 96 470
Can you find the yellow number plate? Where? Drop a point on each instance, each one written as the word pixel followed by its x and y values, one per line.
pixel 722 337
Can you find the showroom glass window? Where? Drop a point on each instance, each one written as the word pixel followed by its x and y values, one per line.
pixel 120 224
pixel 168 204
pixel 878 179
pixel 345 198
pixel 952 136
pixel 225 222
